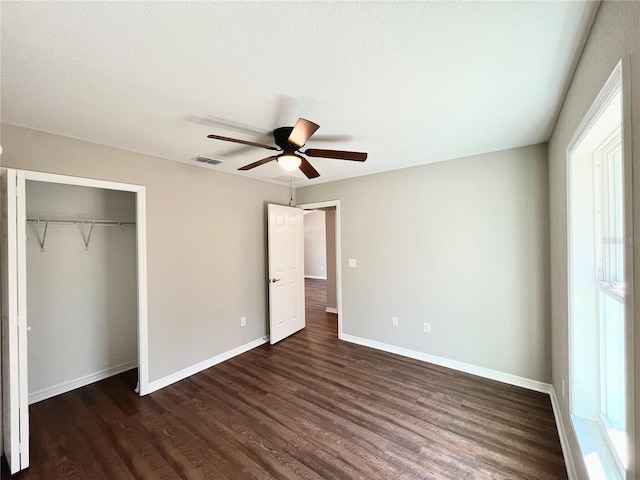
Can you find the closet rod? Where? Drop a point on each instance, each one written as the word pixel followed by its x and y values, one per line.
pixel 79 222
pixel 86 239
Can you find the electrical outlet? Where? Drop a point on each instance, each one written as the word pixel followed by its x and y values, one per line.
pixel 427 327
pixel 243 321
pixel 394 321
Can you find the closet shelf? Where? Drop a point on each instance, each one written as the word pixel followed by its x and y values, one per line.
pixel 85 237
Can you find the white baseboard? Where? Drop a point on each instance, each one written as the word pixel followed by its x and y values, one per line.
pixel 486 373
pixel 65 387
pixel 331 310
pixel 562 433
pixel 316 277
pixel 453 364
pixel 198 367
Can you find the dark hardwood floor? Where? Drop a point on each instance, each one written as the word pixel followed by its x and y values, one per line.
pixel 309 407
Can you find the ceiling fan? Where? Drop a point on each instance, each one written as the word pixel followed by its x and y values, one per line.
pixel 289 141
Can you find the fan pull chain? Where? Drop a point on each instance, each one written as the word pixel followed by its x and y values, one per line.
pixel 290 190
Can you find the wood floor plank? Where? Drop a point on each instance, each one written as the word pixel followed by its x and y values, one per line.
pixel 305 417
pixel 310 407
pixel 303 431
pixel 404 423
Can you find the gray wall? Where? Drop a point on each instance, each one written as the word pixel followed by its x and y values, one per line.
pixel 461 244
pixel 205 240
pixel 315 250
pixel 82 304
pixel 615 34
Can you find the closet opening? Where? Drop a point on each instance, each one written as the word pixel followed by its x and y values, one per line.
pixel 81 286
pixel 74 296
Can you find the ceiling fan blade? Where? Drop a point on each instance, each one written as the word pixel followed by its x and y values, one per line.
pixel 307 169
pixel 339 154
pixel 258 163
pixel 302 131
pixel 243 142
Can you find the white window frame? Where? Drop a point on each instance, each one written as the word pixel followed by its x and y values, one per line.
pixel 606 255
pixel 619 81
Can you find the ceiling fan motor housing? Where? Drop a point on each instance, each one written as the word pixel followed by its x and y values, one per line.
pixel 281 135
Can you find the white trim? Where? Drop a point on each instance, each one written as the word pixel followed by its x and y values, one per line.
pixel 23 315
pixel 630 266
pixel 316 277
pixel 80 181
pixel 610 88
pixel 562 434
pixel 143 313
pixel 453 364
pixel 618 80
pixel 198 367
pixel 485 373
pixel 336 204
pixel 67 386
pixel 15 373
pixel 331 310
pixel 141 246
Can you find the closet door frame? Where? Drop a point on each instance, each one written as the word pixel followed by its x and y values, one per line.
pixel 141 256
pixel 15 406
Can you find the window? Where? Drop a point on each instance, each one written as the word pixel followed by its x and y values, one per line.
pixel 597 293
pixel 609 238
pixel 609 213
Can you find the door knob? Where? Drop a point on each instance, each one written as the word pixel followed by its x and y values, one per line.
pixel 274 280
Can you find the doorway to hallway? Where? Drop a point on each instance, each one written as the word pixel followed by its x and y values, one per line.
pixel 318 319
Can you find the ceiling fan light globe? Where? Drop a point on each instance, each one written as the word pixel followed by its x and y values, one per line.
pixel 289 162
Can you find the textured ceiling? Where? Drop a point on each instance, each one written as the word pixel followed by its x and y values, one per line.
pixel 409 83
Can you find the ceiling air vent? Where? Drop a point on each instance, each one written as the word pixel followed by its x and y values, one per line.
pixel 210 161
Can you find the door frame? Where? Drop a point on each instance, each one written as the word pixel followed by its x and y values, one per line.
pixel 15 408
pixel 336 204
pixel 141 257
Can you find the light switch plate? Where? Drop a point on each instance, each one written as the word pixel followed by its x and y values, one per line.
pixel 352 263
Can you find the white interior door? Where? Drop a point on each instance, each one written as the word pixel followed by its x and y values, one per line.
pixel 15 388
pixel 286 271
